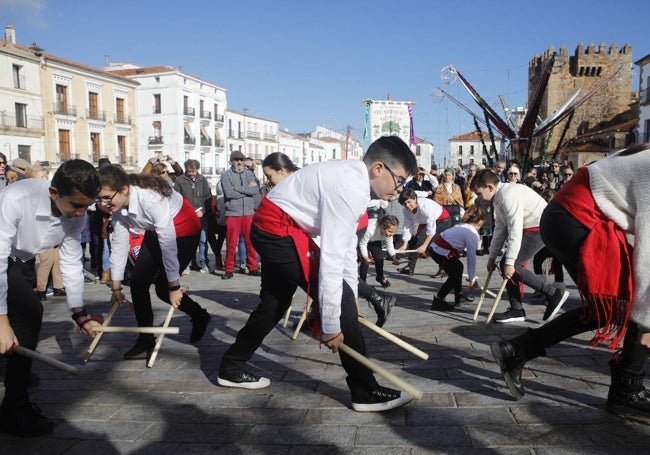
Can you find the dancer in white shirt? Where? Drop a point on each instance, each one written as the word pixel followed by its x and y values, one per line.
pixel 327 200
pixel 36 215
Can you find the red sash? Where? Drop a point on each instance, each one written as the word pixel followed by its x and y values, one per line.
pixel 186 221
pixel 442 243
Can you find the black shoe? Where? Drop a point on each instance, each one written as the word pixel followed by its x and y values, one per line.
pixel 41 295
pixel 462 298
pixel 512 315
pixel 227 276
pixel 383 305
pixel 142 345
pixel 199 324
pixel 24 420
pixel 407 271
pixel 243 380
pixel 242 270
pixel 627 396
pixel 255 273
pixel 379 399
pixel 511 364
pixel 383 281
pixel 554 303
pixel 59 293
pixel 440 304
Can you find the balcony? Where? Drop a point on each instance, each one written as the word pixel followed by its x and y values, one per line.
pixel 206 142
pixel 189 111
pixel 205 115
pixel 189 140
pixel 31 122
pixel 123 120
pixel 269 136
pixel 96 115
pixel 207 171
pixel 253 134
pixel 156 140
pixel 64 109
pixel 218 118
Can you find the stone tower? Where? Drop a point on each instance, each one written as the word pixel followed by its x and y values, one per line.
pixel 586 68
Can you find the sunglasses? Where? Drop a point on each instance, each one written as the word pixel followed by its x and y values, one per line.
pixel 3 162
pixel 568 174
pixel 513 173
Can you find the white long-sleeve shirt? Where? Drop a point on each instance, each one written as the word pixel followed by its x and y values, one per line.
pixel 461 236
pixel 148 210
pixel 327 199
pixel 373 234
pixel 621 189
pixel 427 213
pixel 27 228
pixel 516 207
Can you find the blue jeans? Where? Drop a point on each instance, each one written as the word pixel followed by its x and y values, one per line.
pixel 203 245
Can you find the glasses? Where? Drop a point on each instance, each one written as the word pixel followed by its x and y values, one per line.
pixel 108 199
pixel 2 162
pixel 399 180
pixel 568 174
pixel 513 173
pixel 164 172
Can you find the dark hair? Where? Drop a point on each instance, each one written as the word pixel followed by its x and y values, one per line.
pixel 2 155
pixel 482 178
pixel 392 151
pixel 388 220
pixel 636 148
pixel 407 194
pixel 103 162
pixel 115 178
pixel 77 175
pixel 192 164
pixel 278 161
pixel 473 214
pixel 158 168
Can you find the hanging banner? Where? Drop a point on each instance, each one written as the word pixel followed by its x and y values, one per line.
pixel 391 118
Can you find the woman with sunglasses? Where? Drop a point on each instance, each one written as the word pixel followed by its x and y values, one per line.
pixel 148 203
pixel 3 171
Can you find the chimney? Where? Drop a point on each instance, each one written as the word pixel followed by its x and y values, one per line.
pixel 10 34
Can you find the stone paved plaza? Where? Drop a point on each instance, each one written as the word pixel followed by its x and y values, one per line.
pixel 118 406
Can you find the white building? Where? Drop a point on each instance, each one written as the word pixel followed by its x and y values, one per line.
pixel 295 146
pixel 467 149
pixel 643 134
pixel 178 115
pixel 255 137
pixel 424 153
pixel 22 129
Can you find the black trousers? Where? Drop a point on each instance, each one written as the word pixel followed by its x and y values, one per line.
pixel 564 236
pixel 281 276
pixel 374 248
pixel 25 313
pixel 149 269
pixel 539 259
pixel 454 268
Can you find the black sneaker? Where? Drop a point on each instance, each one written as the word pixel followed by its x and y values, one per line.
pixel 255 273
pixel 243 380
pixel 462 298
pixel 407 271
pixel 383 281
pixel 379 399
pixel 627 395
pixel 554 303
pixel 441 305
pixel 511 364
pixel 227 276
pixel 512 315
pixel 42 296
pixel 59 293
pixel 142 345
pixel 24 420
pixel 199 324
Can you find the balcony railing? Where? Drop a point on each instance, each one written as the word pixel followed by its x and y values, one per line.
pixel 269 136
pixel 189 111
pixel 189 140
pixel 155 140
pixel 207 171
pixel 218 142
pixel 253 134
pixel 206 115
pixel 218 118
pixel 206 142
pixel 31 122
pixel 96 115
pixel 123 119
pixel 235 134
pixel 64 109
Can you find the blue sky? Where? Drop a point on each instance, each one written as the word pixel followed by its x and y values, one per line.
pixel 305 63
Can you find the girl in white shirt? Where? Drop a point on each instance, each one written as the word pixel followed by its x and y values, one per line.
pixel 148 203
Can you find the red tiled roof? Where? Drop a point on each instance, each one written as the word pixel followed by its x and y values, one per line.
pixel 473 136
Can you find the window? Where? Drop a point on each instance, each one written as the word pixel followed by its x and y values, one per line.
pixel 94 143
pixel 460 149
pixel 471 149
pixel 121 149
pixel 64 145
pixel 93 106
pixel 201 108
pixel 119 110
pixel 157 129
pixel 21 115
pixel 19 79
pixel 61 99
pixel 156 104
pixel 24 152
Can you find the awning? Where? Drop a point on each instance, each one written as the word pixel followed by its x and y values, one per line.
pixel 188 130
pixel 204 132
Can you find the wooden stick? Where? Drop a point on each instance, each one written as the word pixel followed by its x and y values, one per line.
pixel 303 317
pixel 98 336
pixel 154 330
pixel 286 317
pixel 159 341
pixel 399 383
pixel 390 337
pixel 496 300
pixel 35 355
pixel 405 251
pixel 483 292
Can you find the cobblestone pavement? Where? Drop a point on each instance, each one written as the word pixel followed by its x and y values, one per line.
pixel 118 406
